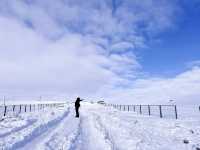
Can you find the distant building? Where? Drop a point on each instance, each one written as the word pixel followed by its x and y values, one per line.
pixel 101 102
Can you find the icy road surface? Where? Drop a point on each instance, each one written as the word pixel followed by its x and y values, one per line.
pixel 98 128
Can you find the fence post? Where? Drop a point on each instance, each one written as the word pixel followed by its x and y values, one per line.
pixel 5 110
pixel 176 114
pixel 13 108
pixel 149 110
pixel 128 107
pixel 134 108
pixel 140 109
pixel 20 108
pixel 25 108
pixel 124 108
pixel 160 108
pixel 30 107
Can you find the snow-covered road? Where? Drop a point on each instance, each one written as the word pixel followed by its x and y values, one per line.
pixel 98 128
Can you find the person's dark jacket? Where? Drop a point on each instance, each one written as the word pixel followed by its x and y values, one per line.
pixel 77 103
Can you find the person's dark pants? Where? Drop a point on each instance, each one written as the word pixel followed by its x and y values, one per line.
pixel 77 111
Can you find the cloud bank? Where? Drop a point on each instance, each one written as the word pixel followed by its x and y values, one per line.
pixel 86 48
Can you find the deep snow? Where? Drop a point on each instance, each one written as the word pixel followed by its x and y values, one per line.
pixel 98 128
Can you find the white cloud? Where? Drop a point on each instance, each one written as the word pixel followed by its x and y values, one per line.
pixel 122 46
pixel 70 65
pixel 192 64
pixel 183 89
pixel 71 47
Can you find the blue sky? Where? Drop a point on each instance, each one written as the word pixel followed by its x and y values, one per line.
pixel 177 46
pixel 128 51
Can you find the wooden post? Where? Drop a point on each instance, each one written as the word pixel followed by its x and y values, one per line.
pixel 176 114
pixel 149 110
pixel 140 109
pixel 160 108
pixel 5 110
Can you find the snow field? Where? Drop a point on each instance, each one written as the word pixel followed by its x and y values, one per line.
pixel 98 128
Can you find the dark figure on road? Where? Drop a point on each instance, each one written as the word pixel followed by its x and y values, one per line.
pixel 77 105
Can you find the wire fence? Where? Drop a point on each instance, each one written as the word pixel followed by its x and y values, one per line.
pixel 162 111
pixel 10 110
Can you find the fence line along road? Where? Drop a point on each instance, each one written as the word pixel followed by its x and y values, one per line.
pixel 23 108
pixel 155 110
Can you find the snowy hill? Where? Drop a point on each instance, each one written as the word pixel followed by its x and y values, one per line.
pixel 98 128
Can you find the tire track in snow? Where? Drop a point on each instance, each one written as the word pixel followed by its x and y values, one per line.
pixel 17 129
pixel 117 132
pixel 65 136
pixel 90 135
pixel 107 136
pixel 77 139
pixel 38 131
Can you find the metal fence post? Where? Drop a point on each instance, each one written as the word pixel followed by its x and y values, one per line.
pixel 128 107
pixel 176 114
pixel 5 110
pixel 149 110
pixel 160 108
pixel 25 108
pixel 13 108
pixel 140 109
pixel 20 108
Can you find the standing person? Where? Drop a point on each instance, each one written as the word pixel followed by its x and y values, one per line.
pixel 77 105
